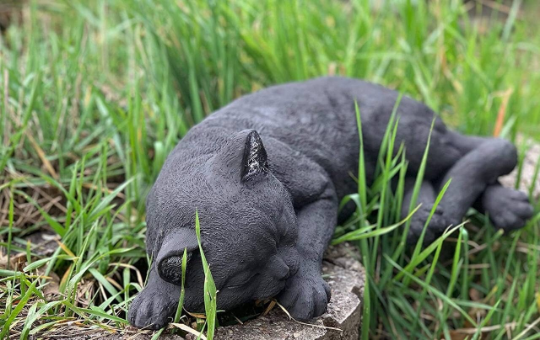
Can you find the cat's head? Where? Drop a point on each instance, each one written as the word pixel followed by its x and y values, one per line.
pixel 247 222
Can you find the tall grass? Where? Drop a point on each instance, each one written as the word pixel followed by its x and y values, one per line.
pixel 94 95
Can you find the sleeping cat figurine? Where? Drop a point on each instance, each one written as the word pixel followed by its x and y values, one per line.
pixel 266 174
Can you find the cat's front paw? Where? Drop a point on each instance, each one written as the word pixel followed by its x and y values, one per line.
pixel 306 294
pixel 152 309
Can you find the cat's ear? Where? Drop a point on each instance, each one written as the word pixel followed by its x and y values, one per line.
pixel 254 162
pixel 169 258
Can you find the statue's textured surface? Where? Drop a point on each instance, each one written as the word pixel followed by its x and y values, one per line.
pixel 266 174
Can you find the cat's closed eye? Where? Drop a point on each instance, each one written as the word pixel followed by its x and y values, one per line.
pixel 242 281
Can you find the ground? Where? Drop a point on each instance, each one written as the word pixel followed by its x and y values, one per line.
pixel 95 94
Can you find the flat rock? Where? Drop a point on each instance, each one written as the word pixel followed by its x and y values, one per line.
pixel 527 179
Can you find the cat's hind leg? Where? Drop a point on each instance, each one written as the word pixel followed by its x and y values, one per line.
pixel 507 208
pixel 473 174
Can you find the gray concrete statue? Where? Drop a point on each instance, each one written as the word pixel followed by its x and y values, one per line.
pixel 266 174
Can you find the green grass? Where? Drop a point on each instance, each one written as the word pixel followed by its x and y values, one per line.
pixel 95 94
